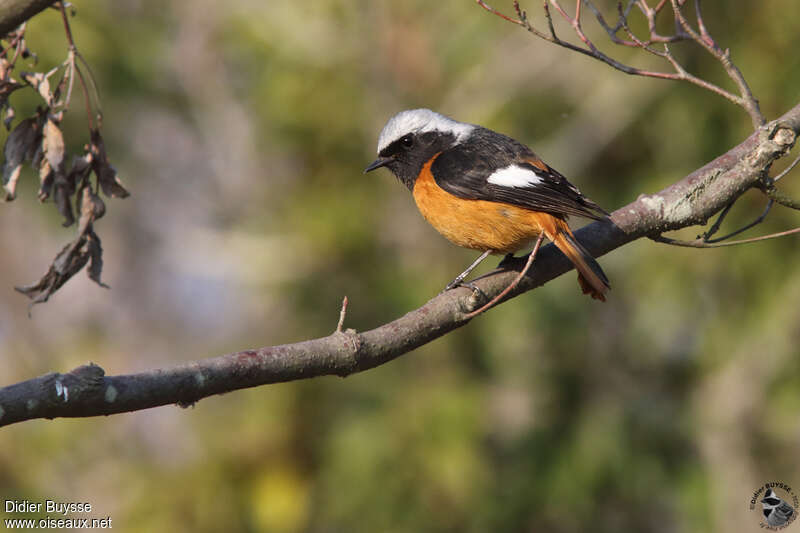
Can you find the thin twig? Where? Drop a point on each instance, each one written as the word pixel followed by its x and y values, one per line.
pixel 15 43
pixel 67 29
pixel 551 27
pixel 651 14
pixel 575 22
pixel 592 51
pixel 748 101
pixel 680 72
pixel 683 31
pixel 523 17
pixel 342 314
pixel 493 301
pixel 76 68
pixel 701 244
pixel 492 10
pixel 746 227
pixel 645 45
pixel 717 223
pixel 782 199
pixel 612 32
pixel 70 72
pixel 701 25
pixel 94 92
pixel 787 169
pixel 87 102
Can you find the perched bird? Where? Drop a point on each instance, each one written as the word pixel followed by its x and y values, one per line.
pixel 776 511
pixel 486 191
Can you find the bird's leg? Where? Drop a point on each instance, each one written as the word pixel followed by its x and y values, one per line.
pixel 514 283
pixel 460 278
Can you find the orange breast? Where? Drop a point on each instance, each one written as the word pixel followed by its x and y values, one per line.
pixel 476 224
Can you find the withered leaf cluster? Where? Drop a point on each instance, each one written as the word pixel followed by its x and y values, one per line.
pixel 16 41
pixel 73 184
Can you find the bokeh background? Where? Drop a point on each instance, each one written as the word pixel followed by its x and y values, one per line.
pixel 241 129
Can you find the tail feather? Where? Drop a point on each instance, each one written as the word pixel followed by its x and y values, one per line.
pixel 591 277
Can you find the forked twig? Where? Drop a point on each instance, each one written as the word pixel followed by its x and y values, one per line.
pixel 717 223
pixel 684 31
pixel 746 227
pixel 704 39
pixel 17 43
pixel 705 240
pixel 492 10
pixel 74 68
pixel 787 169
pixel 701 244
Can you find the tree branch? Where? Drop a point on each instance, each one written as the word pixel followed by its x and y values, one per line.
pixel 86 391
pixel 15 12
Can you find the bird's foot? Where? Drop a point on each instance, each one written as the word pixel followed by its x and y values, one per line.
pixel 467 284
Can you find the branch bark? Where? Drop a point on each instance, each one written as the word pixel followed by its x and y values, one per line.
pixel 15 12
pixel 86 391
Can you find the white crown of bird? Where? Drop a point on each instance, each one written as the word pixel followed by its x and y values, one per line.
pixel 415 121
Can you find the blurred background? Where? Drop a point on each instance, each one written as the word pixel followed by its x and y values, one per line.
pixel 242 128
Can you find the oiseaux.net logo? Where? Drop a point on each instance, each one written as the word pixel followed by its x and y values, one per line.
pixel 777 505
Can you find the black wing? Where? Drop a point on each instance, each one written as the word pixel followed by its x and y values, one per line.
pixel 465 171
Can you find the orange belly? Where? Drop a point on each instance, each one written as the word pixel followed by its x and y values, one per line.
pixel 476 224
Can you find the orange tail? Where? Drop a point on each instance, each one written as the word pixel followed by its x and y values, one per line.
pixel 591 277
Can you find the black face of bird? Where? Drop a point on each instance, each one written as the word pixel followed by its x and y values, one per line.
pixel 406 156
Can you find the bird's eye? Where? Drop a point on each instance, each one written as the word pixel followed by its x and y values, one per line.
pixel 407 141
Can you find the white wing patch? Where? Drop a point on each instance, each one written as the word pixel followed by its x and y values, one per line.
pixel 421 121
pixel 514 176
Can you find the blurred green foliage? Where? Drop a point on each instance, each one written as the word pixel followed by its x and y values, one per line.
pixel 242 128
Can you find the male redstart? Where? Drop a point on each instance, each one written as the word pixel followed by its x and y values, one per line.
pixel 486 191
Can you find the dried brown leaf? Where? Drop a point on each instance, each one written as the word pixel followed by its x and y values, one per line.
pixel 106 174
pixel 85 249
pixel 81 165
pixel 69 261
pixel 38 155
pixel 53 144
pixel 11 185
pixel 110 182
pixel 40 81
pixel 90 206
pixel 79 171
pixel 20 144
pixel 54 155
pixel 46 177
pixel 9 118
pixel 61 197
pixel 7 86
pixel 95 259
